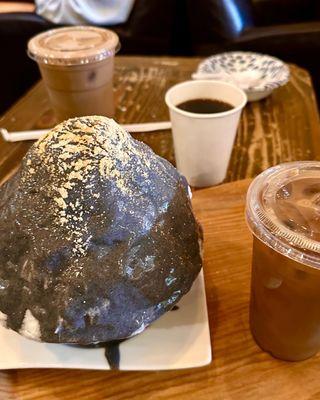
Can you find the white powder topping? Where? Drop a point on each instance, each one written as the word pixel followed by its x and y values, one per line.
pixel 61 203
pixel 75 153
pixel 63 192
pixel 30 326
pixel 3 319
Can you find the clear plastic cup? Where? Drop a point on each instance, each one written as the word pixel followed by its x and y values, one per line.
pixel 203 142
pixel 283 213
pixel 76 64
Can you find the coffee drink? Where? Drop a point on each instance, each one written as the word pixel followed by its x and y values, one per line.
pixel 203 140
pixel 76 65
pixel 205 106
pixel 283 207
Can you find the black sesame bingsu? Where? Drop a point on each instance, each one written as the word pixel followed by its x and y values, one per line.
pixel 97 236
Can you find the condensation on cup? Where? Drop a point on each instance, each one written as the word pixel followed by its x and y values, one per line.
pixel 283 213
pixel 76 64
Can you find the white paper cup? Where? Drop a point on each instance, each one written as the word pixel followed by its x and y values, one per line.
pixel 203 142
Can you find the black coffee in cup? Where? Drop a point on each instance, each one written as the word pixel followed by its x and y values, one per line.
pixel 205 106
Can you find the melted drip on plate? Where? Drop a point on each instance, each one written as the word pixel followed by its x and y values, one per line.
pixel 112 351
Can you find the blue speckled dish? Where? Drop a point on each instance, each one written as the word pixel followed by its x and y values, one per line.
pixel 257 74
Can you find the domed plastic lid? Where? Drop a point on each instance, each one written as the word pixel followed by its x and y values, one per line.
pixel 283 210
pixel 73 45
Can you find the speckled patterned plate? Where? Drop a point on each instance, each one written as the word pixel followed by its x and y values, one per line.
pixel 257 74
pixel 179 339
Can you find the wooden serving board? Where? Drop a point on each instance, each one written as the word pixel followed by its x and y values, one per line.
pixel 240 370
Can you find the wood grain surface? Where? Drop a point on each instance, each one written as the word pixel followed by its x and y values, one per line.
pixel 283 127
pixel 239 371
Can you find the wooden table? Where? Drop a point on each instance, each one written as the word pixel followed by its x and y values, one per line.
pixel 283 127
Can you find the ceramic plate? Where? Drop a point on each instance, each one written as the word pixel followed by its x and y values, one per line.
pixel 252 72
pixel 179 339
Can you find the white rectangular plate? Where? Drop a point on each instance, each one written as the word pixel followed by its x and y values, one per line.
pixel 179 339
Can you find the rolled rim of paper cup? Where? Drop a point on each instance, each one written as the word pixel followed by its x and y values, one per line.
pixel 210 82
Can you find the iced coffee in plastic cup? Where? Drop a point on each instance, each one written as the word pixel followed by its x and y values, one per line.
pixel 283 213
pixel 76 65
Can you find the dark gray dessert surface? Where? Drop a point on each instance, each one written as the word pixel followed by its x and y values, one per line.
pixel 97 236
